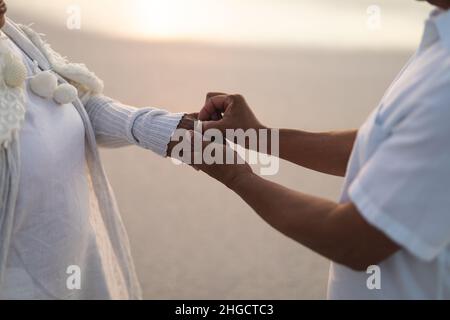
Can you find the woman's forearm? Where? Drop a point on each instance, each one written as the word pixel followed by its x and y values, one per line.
pixel 327 152
pixel 117 125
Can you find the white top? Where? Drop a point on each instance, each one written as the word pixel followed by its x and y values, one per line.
pixel 53 215
pixel 399 177
pixel 65 213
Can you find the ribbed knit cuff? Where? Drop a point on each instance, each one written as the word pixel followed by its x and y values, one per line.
pixel 153 128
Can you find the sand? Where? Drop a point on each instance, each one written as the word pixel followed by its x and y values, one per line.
pixel 191 237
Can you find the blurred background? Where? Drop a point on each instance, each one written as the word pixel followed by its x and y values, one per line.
pixel 307 64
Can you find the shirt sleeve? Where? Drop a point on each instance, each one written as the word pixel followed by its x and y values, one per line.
pixel 404 188
pixel 116 125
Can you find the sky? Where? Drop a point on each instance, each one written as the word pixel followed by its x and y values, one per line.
pixel 350 24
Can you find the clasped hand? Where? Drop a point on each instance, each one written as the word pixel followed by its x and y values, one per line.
pixel 220 114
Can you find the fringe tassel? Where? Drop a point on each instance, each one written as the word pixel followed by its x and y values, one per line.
pixel 9 184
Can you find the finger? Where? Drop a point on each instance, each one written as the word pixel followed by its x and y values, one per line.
pixel 209 95
pixel 221 158
pixel 210 110
pixel 194 138
pixel 214 115
pixel 213 105
pixel 217 115
pixel 193 115
pixel 221 103
pixel 187 123
pixel 206 125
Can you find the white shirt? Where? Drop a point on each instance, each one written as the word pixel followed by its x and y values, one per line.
pixel 399 177
pixel 53 219
pixel 37 260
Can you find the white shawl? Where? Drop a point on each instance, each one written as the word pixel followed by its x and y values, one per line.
pixel 87 83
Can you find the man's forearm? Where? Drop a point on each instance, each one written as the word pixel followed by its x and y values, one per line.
pixel 300 217
pixel 327 152
pixel 336 231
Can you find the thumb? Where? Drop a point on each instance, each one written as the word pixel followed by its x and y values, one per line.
pixel 219 125
pixel 206 125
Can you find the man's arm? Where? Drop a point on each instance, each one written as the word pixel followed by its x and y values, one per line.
pixel 336 231
pixel 327 152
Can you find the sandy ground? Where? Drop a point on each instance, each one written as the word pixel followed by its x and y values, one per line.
pixel 191 237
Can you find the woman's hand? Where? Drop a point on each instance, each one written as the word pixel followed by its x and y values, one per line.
pixel 186 123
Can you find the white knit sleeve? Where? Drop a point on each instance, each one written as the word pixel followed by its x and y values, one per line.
pixel 116 125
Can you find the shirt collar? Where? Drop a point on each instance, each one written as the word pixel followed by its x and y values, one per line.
pixel 437 28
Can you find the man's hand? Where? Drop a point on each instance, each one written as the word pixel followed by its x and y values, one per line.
pixel 228 173
pixel 223 172
pixel 222 111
